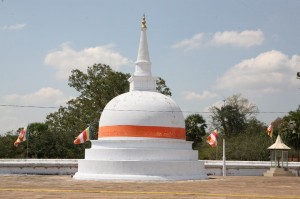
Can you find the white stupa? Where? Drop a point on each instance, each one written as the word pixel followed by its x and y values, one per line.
pixel 141 134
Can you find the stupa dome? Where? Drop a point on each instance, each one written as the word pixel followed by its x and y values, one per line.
pixel 142 114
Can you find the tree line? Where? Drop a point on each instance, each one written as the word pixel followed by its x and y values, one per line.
pixel 236 120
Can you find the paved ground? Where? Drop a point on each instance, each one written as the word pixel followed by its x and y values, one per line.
pixel 33 186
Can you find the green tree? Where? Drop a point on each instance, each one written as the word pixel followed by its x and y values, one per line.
pixel 232 117
pixel 251 145
pixel 96 87
pixel 290 130
pixel 42 142
pixel 195 129
pixel 245 107
pixel 7 148
pixel 162 87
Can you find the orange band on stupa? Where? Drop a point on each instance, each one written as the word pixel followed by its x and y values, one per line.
pixel 141 131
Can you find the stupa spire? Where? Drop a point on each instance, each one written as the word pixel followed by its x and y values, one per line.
pixel 143 64
pixel 142 78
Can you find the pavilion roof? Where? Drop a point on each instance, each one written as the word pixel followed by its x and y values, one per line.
pixel 279 145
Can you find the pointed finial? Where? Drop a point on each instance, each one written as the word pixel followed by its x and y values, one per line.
pixel 144 22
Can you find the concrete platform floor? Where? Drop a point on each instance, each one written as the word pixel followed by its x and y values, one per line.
pixel 216 187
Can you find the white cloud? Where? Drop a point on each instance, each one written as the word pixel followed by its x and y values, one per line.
pixel 12 118
pixel 245 38
pixel 218 104
pixel 43 97
pixel 190 43
pixel 13 27
pixel 190 95
pixel 269 72
pixel 67 59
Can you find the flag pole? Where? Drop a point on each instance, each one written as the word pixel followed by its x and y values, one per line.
pixel 217 152
pixel 224 158
pixel 27 148
pixel 27 137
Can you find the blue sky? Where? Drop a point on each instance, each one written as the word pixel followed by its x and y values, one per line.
pixel 205 50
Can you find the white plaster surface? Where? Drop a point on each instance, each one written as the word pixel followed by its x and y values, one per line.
pixel 245 168
pixel 143 64
pixel 142 108
pixel 140 159
pixel 142 83
pixel 69 167
pixel 38 166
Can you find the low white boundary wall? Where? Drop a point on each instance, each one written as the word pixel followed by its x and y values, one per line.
pixel 38 166
pixel 70 167
pixel 244 168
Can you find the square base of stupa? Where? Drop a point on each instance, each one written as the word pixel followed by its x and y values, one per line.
pixel 140 159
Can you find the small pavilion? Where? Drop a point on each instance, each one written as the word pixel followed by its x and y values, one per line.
pixel 279 159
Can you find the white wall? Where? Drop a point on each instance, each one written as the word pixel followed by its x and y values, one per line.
pixel 244 168
pixel 38 166
pixel 69 167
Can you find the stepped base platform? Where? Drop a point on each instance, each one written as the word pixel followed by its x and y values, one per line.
pixel 140 159
pixel 278 172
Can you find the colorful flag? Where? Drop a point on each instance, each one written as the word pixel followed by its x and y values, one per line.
pixel 212 139
pixel 84 136
pixel 23 136
pixel 270 130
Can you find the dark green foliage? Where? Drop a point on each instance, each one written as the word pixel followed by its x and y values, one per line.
pixel 7 148
pixel 207 152
pixel 195 129
pixel 100 84
pixel 290 130
pixel 244 135
pixel 232 117
pixel 249 145
pixel 162 87
pixel 96 87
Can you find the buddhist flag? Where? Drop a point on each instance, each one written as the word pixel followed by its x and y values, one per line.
pixel 270 130
pixel 86 135
pixel 23 136
pixel 212 139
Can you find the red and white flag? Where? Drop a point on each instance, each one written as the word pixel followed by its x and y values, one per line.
pixel 212 139
pixel 23 136
pixel 86 135
pixel 270 130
